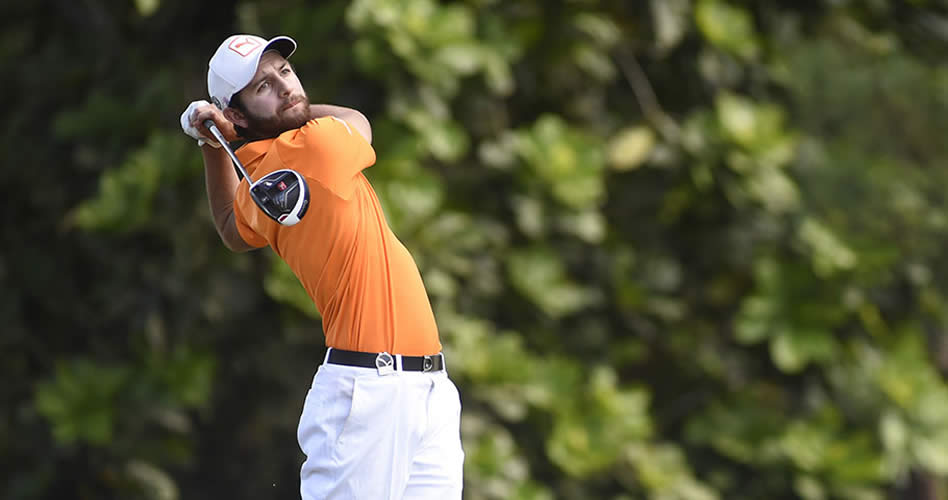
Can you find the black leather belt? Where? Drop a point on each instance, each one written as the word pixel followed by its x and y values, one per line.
pixel 382 360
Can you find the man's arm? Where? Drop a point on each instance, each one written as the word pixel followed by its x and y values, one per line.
pixel 351 116
pixel 222 181
pixel 220 178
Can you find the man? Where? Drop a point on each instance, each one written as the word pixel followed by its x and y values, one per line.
pixel 382 419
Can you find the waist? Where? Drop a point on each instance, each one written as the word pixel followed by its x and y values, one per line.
pixel 385 362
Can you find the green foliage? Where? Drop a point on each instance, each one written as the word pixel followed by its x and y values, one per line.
pixel 542 278
pixel 596 428
pixel 79 401
pixel 127 193
pixel 677 250
pixel 728 27
pixel 84 400
pixel 566 162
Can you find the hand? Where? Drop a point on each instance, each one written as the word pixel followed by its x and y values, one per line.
pixel 192 123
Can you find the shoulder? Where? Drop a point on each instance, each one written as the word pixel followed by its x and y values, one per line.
pixel 329 125
pixel 327 133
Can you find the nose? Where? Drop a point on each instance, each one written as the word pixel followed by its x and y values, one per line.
pixel 284 89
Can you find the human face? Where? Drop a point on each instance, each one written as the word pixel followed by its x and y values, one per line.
pixel 274 101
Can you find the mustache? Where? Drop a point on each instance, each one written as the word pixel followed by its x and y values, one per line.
pixel 293 101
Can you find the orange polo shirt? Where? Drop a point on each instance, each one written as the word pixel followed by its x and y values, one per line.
pixel 361 278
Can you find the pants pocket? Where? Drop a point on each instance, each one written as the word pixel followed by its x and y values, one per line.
pixel 324 411
pixel 369 410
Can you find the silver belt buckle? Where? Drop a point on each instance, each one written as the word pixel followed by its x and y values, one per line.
pixel 385 363
pixel 428 364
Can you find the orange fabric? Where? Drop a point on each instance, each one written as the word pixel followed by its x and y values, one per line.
pixel 361 278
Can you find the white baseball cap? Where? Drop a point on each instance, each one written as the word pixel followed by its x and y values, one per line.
pixel 235 63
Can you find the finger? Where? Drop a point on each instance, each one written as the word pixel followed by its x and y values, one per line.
pixel 198 120
pixel 199 114
pixel 203 130
pixel 205 113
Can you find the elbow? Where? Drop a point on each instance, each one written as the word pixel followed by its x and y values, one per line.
pixel 361 123
pixel 227 230
pixel 236 247
pixel 234 242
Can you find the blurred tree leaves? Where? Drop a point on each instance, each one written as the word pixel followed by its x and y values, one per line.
pixel 84 399
pixel 677 249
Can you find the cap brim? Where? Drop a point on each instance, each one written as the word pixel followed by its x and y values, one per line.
pixel 285 45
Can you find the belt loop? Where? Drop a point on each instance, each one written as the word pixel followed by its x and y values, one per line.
pixel 326 357
pixel 398 363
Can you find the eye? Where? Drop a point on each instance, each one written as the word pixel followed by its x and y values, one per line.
pixel 263 86
pixel 285 71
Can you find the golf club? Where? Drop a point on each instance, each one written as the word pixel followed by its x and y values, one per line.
pixel 283 194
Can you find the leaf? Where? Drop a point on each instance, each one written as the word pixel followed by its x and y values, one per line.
pixel 894 432
pixel 602 29
pixel 631 147
pixel 125 200
pixel 756 320
pixel 664 470
pixel 792 350
pixel 774 190
pixel 80 401
pixel 594 62
pixel 493 458
pixel 729 27
pixel 931 454
pixel 589 226
pixel 497 75
pixel 415 201
pixel 829 255
pixel 738 117
pixel 530 216
pixel 671 21
pixel 541 277
pixel 581 191
pixel 147 7
pixel 446 141
pixel 809 488
pixel 446 24
pixel 592 435
pixel 461 58
pixel 568 161
pixel 153 482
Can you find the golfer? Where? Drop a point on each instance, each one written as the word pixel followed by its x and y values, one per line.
pixel 382 418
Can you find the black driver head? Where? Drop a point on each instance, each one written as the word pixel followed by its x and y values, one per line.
pixel 283 195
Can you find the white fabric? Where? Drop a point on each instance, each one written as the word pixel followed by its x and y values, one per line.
pixel 190 129
pixel 235 62
pixel 381 437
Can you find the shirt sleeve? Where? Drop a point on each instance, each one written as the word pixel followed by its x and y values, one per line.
pixel 330 151
pixel 244 227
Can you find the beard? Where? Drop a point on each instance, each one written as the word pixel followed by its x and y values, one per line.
pixel 261 127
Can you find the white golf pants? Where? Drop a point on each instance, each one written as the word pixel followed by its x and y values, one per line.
pixel 369 436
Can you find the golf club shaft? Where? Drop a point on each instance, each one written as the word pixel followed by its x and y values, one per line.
pixel 223 142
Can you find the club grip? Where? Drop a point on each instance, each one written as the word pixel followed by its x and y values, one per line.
pixel 214 130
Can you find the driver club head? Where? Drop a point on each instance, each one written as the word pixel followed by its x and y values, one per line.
pixel 283 195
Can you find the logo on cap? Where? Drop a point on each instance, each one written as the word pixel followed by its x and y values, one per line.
pixel 244 45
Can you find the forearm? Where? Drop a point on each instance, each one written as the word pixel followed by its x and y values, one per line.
pixel 221 182
pixel 351 116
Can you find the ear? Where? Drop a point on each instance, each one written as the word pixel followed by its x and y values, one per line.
pixel 235 116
